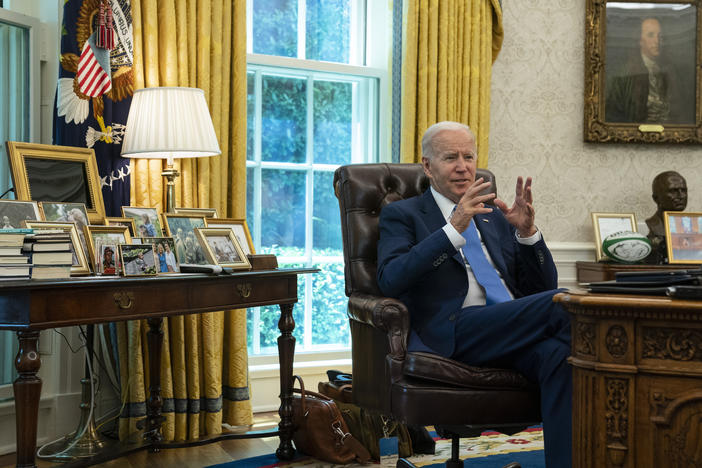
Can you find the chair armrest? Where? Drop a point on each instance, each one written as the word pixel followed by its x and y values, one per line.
pixel 384 313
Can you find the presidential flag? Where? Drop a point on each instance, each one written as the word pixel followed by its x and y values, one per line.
pixel 95 87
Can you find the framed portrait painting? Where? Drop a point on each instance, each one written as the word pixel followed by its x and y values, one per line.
pixel 683 236
pixel 642 71
pixel 13 212
pixel 605 224
pixel 57 173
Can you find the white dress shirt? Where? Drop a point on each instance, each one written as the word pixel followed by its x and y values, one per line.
pixel 476 293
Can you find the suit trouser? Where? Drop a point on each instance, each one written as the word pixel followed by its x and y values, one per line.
pixel 531 335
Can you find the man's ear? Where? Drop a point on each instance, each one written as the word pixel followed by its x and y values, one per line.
pixel 425 166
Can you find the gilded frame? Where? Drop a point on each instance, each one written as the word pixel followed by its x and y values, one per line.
pixel 82 266
pixel 206 212
pixel 122 221
pixel 93 233
pixel 231 254
pixel 20 152
pixel 241 231
pixel 683 236
pixel 610 113
pixel 605 224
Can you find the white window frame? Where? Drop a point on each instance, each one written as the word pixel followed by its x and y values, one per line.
pixel 376 55
pixel 8 344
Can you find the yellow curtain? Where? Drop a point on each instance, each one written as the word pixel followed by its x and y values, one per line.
pixel 450 46
pixel 204 370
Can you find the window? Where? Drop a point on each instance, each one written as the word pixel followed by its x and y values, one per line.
pixel 19 112
pixel 313 104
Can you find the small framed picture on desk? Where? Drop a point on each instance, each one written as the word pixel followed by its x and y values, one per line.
pixel 683 236
pixel 605 224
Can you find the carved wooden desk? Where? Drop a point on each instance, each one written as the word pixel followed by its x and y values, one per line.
pixel 31 306
pixel 637 380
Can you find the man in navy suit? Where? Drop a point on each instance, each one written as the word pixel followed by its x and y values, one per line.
pixel 480 296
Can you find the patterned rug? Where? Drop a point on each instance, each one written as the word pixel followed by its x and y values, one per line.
pixel 491 449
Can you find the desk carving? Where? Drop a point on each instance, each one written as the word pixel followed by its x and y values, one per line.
pixel 637 381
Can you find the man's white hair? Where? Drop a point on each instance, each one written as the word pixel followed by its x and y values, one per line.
pixel 430 133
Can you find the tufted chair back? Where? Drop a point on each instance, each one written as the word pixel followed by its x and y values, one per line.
pixel 412 387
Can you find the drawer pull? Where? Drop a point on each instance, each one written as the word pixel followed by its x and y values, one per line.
pixel 244 289
pixel 124 300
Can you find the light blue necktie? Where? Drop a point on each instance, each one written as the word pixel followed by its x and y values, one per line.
pixel 485 273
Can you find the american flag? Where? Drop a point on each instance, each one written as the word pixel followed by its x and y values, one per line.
pixel 94 77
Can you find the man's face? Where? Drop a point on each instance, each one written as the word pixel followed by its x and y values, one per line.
pixel 650 41
pixel 672 195
pixel 451 169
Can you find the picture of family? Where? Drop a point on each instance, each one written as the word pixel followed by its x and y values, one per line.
pixel 164 248
pixel 145 219
pixel 12 213
pixel 138 260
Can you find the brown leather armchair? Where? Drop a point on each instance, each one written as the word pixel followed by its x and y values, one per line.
pixel 413 387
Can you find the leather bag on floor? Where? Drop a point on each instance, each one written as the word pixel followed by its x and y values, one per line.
pixel 320 430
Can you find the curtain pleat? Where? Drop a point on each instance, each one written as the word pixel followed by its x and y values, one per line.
pixel 204 370
pixel 450 47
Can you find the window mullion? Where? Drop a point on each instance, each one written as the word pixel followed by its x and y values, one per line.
pixel 309 207
pixel 301 29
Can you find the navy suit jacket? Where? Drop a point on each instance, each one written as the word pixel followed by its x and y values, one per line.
pixel 418 265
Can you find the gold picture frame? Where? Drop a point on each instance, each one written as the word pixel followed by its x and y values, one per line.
pixel 181 228
pixel 683 236
pixel 138 259
pixel 34 167
pixel 222 248
pixel 605 224
pixel 122 221
pixel 100 236
pixel 80 264
pixel 241 231
pixel 206 212
pixel 618 105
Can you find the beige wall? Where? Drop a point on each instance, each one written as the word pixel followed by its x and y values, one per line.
pixel 537 129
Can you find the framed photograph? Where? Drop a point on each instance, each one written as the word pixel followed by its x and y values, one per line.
pixel 13 212
pixel 206 212
pixel 605 224
pixel 57 173
pixel 683 236
pixel 182 229
pixel 222 248
pixel 164 248
pixel 138 260
pixel 79 264
pixel 642 71
pixel 75 213
pixel 127 222
pixel 146 221
pixel 241 232
pixel 106 261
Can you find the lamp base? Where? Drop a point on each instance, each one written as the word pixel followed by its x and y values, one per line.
pixel 170 173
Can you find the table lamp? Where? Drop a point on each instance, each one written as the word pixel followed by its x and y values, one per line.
pixel 168 123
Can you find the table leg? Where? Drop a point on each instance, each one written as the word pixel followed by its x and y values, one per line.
pixel 286 351
pixel 152 431
pixel 27 389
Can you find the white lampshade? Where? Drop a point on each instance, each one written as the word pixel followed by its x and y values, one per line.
pixel 169 123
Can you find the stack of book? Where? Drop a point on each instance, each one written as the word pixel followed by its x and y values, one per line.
pixel 13 263
pixel 50 253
